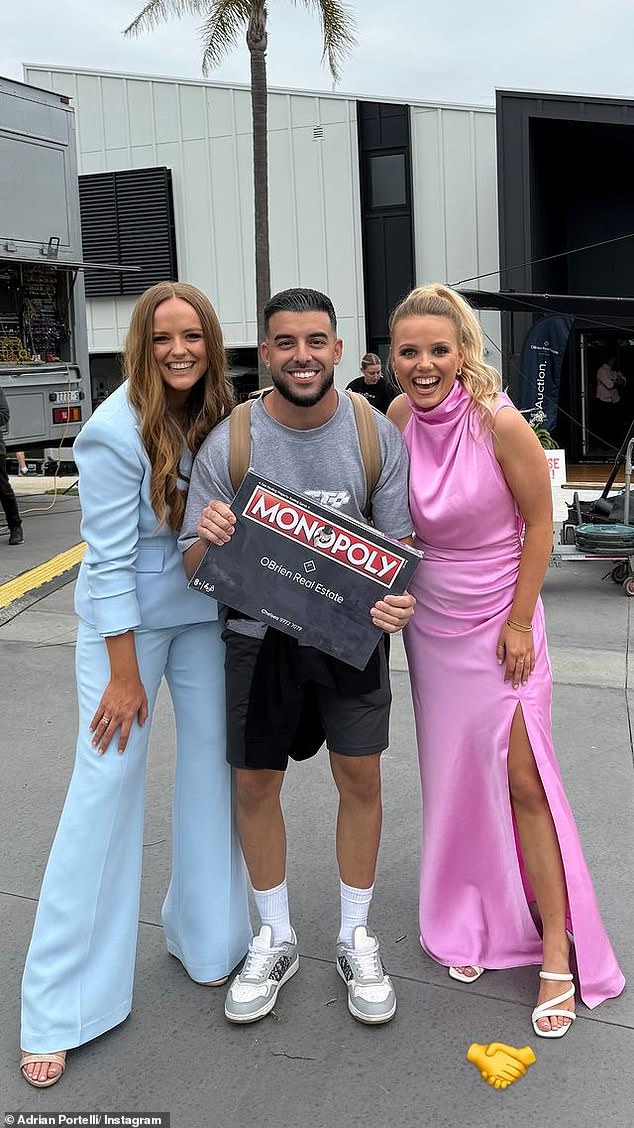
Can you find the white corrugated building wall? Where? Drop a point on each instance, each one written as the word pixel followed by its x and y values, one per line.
pixel 202 132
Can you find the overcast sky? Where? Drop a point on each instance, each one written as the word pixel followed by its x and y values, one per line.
pixel 413 50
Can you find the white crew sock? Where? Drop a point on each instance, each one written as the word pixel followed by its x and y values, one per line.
pixel 272 905
pixel 355 906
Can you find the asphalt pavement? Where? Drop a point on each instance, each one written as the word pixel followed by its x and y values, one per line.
pixel 310 1064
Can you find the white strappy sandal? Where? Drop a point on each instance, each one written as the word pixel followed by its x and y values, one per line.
pixel 455 973
pixel 552 1008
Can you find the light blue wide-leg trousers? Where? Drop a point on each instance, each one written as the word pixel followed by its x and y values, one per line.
pixel 79 970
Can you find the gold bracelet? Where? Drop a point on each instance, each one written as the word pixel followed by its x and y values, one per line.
pixel 518 626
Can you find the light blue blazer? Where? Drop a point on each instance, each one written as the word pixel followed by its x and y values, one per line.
pixel 132 574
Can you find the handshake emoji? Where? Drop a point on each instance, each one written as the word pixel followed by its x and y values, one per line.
pixel 500 1065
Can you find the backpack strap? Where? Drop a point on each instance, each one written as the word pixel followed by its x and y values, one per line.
pixel 370 446
pixel 239 442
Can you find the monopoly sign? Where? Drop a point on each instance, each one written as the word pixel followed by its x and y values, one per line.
pixel 305 569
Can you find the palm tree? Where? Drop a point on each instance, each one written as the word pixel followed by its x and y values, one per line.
pixel 224 20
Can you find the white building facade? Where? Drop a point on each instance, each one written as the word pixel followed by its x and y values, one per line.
pixel 319 223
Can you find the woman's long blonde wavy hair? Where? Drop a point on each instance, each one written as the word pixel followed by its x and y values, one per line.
pixel 210 400
pixel 481 380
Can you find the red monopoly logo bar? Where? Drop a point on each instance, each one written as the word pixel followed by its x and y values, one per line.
pixel 327 538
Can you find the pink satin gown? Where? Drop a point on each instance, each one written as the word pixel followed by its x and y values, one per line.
pixel 474 893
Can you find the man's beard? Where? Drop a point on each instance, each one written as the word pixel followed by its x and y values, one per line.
pixel 291 396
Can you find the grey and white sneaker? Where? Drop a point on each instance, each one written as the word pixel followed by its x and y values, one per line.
pixel 371 995
pixel 266 968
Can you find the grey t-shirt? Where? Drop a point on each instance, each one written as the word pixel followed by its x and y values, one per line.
pixel 323 464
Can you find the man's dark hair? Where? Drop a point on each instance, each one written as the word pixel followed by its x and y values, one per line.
pixel 300 300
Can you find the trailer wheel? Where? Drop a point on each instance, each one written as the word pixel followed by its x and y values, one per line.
pixel 628 586
pixel 620 572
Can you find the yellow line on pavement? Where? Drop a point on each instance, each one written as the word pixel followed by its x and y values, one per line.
pixel 34 578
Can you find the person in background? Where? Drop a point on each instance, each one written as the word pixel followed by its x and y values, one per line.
pixel 609 380
pixel 498 831
pixel 21 460
pixel 139 623
pixel 610 421
pixel 7 496
pixel 372 384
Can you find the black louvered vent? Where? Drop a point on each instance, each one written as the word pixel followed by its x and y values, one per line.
pixel 127 218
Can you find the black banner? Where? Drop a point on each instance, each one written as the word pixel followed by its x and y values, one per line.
pixel 542 354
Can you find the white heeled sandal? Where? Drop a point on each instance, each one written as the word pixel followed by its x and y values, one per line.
pixel 455 973
pixel 552 1008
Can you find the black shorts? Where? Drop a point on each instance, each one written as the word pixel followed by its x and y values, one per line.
pixel 352 725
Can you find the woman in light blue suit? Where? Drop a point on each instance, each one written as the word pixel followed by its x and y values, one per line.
pixel 138 623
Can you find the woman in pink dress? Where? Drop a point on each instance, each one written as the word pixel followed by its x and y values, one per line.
pixel 498 830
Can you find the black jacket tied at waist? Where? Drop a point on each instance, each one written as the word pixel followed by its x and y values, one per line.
pixel 283 714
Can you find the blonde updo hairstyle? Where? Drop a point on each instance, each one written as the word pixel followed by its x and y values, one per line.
pixel 210 400
pixel 482 382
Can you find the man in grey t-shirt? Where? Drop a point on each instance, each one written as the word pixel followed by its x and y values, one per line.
pixel 303 435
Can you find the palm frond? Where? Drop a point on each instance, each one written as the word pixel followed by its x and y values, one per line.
pixel 156 12
pixel 220 31
pixel 338 27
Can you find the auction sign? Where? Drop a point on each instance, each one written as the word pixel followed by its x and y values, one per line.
pixel 305 569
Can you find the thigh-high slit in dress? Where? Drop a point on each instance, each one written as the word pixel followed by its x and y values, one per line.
pixel 475 895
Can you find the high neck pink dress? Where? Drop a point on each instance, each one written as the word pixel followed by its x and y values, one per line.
pixel 475 894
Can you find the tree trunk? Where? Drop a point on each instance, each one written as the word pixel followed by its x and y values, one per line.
pixel 257 43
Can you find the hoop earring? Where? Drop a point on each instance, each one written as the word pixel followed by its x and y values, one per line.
pixel 458 373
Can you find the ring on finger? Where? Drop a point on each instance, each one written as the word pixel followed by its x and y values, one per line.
pixel 106 720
